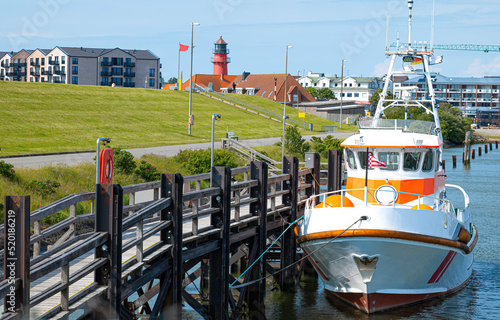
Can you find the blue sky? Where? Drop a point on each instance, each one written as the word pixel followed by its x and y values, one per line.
pixel 322 32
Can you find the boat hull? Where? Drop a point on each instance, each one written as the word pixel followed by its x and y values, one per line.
pixel 376 274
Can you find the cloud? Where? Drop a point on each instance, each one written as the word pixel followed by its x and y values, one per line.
pixel 381 68
pixel 478 68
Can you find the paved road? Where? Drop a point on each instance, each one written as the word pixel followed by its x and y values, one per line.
pixel 169 151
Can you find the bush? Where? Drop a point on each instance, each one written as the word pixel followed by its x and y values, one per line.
pixel 198 161
pixel 322 146
pixel 123 161
pixel 147 171
pixel 43 187
pixel 294 144
pixel 7 170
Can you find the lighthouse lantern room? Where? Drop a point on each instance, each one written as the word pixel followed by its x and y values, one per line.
pixel 220 58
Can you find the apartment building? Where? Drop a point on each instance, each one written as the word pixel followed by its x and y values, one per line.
pixel 84 66
pixel 4 65
pixel 469 94
pixel 354 88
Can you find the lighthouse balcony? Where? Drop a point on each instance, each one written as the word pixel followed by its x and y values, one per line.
pixel 220 59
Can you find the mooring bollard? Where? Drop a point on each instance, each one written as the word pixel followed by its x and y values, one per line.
pixel 473 153
pixel 454 161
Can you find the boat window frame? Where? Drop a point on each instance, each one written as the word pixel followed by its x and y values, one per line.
pixel 349 150
pixel 431 161
pixel 388 166
pixel 405 168
pixel 363 159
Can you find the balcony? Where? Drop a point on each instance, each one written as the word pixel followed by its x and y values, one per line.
pixel 129 64
pixel 129 74
pixel 105 83
pixel 35 64
pixel 106 73
pixel 18 64
pixel 16 73
pixel 57 81
pixel 106 63
pixel 47 73
pixel 5 64
pixel 60 72
pixel 129 84
pixel 54 62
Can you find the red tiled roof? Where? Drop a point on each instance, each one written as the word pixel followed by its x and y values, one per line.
pixel 263 85
pixel 205 79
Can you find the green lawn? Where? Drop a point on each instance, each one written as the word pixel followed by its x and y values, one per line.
pixel 42 117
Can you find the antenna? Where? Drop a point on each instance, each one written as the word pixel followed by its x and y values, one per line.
pixel 432 23
pixel 387 34
pixel 410 7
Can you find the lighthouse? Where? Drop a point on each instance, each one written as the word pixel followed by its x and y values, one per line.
pixel 220 58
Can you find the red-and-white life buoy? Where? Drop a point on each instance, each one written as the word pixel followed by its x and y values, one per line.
pixel 106 166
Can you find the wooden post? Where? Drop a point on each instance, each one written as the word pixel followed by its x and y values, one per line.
pixel 257 292
pixel 491 145
pixel 466 154
pixel 218 306
pixel 473 154
pixel 115 251
pixel 288 243
pixel 109 214
pixel 485 149
pixel 334 170
pixel 496 144
pixel 479 149
pixel 171 186
pixel 443 163
pixel 16 258
pixel 454 161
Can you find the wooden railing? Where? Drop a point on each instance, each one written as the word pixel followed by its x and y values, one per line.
pixel 175 203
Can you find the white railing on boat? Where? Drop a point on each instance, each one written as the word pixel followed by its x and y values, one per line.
pixel 415 126
pixel 439 204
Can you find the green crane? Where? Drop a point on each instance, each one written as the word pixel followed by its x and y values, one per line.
pixel 463 47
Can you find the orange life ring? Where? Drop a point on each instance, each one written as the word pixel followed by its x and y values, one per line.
pixel 106 166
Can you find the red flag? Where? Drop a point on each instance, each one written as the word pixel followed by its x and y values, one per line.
pixel 183 47
pixel 374 163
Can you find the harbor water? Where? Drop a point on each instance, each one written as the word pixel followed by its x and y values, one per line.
pixel 480 299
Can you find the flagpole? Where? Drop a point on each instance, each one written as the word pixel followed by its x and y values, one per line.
pixel 367 165
pixel 179 63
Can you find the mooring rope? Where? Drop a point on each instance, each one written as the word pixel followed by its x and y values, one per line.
pixel 280 270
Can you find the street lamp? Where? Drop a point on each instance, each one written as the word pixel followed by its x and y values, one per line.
pixel 286 76
pixel 215 116
pixel 283 143
pixel 191 77
pixel 341 90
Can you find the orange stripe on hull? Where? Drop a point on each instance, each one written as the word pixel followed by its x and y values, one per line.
pixel 388 234
pixel 376 302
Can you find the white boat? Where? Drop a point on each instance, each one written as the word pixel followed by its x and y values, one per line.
pixel 392 237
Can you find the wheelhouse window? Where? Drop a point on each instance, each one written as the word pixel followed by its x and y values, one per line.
pixel 438 155
pixel 351 159
pixel 362 160
pixel 428 161
pixel 391 160
pixel 411 161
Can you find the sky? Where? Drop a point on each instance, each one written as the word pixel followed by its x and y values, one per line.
pixel 322 32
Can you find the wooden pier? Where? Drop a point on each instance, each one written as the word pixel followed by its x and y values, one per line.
pixel 139 258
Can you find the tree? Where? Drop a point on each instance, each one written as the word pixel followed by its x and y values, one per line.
pixel 376 96
pixel 313 92
pixel 172 80
pixel 325 93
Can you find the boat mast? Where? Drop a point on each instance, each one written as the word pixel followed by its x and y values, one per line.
pixel 410 7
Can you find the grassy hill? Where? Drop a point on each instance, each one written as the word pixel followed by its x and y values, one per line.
pixel 43 117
